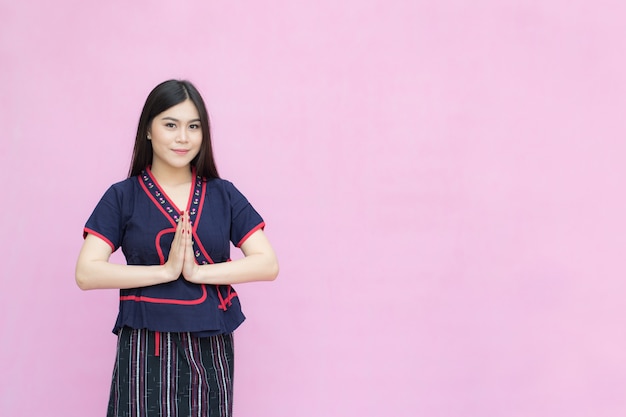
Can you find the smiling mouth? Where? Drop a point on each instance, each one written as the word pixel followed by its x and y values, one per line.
pixel 180 151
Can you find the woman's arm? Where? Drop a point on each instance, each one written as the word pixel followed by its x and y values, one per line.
pixel 259 264
pixel 94 271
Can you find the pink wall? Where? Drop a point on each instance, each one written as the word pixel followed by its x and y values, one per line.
pixel 443 182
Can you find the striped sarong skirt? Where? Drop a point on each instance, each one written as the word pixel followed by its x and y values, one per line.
pixel 172 375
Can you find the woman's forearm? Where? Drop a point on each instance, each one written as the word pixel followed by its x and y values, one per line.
pixel 100 274
pixel 255 267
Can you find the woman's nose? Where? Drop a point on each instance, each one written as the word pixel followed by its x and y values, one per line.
pixel 182 136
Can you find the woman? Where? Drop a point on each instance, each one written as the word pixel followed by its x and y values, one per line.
pixel 174 217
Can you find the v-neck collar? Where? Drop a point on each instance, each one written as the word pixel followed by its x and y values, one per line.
pixel 164 203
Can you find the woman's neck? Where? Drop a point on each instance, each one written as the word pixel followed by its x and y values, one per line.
pixel 167 175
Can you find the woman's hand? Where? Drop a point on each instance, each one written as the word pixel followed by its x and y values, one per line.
pixel 176 258
pixel 181 259
pixel 189 267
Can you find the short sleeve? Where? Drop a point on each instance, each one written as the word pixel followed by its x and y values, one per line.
pixel 106 219
pixel 244 218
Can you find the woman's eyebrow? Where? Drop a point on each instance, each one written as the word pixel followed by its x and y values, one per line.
pixel 176 120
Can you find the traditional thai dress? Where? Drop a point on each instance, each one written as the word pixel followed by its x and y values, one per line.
pixel 175 347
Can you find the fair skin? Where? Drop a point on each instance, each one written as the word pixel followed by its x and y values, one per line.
pixel 176 137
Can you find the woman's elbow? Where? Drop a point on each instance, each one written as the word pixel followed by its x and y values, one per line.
pixel 81 283
pixel 82 279
pixel 273 269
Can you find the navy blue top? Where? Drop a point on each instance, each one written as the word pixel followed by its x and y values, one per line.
pixel 136 215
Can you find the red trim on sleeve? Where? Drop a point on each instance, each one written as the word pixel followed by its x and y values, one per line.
pixel 100 235
pixel 254 229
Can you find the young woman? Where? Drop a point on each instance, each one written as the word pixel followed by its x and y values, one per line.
pixel 174 217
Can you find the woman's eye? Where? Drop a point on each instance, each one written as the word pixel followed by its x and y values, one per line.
pixel 170 125
pixel 194 126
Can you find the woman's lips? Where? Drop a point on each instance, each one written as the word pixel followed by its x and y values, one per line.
pixel 181 151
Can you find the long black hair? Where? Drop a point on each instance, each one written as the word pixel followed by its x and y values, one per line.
pixel 162 97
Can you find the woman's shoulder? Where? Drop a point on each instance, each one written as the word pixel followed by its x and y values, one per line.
pixel 218 183
pixel 127 184
pixel 121 189
pixel 223 187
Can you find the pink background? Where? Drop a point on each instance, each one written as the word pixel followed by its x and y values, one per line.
pixel 443 182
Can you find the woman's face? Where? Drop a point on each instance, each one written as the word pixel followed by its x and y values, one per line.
pixel 176 136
